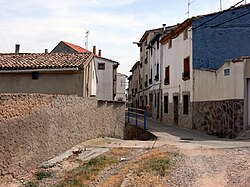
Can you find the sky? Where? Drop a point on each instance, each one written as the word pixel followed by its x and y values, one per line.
pixel 113 25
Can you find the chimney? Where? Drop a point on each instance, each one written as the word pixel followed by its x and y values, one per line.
pixel 164 26
pixel 100 53
pixel 94 50
pixel 17 48
pixel 46 51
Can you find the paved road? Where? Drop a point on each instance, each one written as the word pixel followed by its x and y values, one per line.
pixel 174 135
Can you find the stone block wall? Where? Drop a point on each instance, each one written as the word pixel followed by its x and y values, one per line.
pixel 221 118
pixel 35 128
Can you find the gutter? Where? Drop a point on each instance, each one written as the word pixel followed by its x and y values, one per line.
pixel 39 70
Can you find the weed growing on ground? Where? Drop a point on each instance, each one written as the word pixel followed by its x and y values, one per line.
pixel 87 172
pixel 31 184
pixel 158 165
pixel 43 174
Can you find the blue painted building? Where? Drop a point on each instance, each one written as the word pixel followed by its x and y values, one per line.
pixel 221 36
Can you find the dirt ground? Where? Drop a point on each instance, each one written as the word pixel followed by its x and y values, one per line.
pixel 197 166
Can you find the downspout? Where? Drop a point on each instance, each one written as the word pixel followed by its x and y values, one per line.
pixel 161 74
pixel 246 99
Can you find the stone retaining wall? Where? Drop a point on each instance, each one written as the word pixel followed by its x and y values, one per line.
pixel 35 128
pixel 221 118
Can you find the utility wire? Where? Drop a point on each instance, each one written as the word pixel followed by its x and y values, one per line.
pixel 230 20
pixel 220 13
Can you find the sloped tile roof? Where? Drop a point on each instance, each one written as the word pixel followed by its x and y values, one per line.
pixel 77 48
pixel 41 60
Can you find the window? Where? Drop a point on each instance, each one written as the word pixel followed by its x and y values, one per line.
pixel 170 44
pixel 166 104
pixel 226 72
pixel 101 66
pixel 158 44
pixel 185 104
pixel 35 75
pixel 185 34
pixel 186 72
pixel 157 72
pixel 167 79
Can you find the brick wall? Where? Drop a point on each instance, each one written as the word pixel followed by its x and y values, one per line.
pixel 35 128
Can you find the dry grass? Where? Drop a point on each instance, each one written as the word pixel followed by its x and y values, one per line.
pixel 86 172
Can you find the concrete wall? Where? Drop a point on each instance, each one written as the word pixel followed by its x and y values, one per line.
pixel 223 37
pixel 174 58
pixel 35 128
pixel 47 83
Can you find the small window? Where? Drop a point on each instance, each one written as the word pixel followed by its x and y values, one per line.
pixel 185 104
pixel 170 44
pixel 35 75
pixel 186 72
pixel 226 72
pixel 185 34
pixel 101 66
pixel 167 78
pixel 158 44
pixel 166 104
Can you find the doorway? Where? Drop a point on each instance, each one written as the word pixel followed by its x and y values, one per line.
pixel 176 109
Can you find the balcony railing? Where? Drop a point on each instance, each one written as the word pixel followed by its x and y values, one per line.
pixel 186 75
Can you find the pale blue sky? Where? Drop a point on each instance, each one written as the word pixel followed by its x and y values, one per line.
pixel 113 24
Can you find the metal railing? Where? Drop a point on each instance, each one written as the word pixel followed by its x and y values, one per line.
pixel 137 116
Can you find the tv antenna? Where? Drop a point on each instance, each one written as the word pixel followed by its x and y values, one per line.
pixel 189 3
pixel 86 39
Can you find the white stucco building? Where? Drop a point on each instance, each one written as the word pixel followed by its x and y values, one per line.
pixel 121 85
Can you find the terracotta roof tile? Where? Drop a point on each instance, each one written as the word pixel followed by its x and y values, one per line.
pixel 42 60
pixel 76 47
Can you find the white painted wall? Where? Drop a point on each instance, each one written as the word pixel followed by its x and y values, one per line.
pixel 212 86
pixel 104 87
pixel 121 87
pixel 94 80
pixel 155 59
pixel 174 57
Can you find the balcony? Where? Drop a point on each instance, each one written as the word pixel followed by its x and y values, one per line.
pixel 166 81
pixel 146 84
pixel 150 81
pixel 156 77
pixel 186 75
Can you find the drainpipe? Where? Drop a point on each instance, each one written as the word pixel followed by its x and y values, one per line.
pixel 161 74
pixel 246 109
